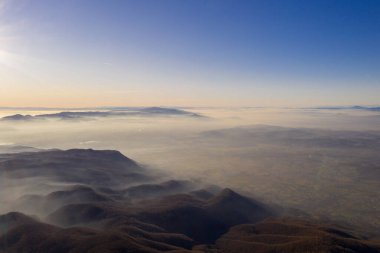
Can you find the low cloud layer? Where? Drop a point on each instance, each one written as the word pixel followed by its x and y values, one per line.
pixel 320 161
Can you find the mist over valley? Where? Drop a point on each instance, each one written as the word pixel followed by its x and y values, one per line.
pixel 154 173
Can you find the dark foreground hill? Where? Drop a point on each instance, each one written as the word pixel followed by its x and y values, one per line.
pixel 101 201
pixel 293 236
pixel 28 235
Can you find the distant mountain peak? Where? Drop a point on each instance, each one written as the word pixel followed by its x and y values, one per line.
pixel 18 117
pixel 110 112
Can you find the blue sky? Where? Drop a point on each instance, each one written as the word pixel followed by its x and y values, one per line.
pixel 182 52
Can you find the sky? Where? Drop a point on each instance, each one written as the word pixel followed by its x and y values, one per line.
pixel 81 53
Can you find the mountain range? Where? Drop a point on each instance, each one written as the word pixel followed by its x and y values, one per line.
pixel 113 112
pixel 101 201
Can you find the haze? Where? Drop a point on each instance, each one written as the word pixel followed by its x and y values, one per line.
pixel 189 126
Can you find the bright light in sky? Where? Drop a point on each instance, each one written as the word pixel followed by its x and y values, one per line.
pixel 148 52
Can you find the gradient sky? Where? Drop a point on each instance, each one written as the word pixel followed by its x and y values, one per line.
pixel 189 53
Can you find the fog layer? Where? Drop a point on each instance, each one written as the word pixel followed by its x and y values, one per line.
pixel 322 161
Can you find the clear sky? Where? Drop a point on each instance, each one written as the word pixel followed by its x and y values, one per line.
pixel 189 53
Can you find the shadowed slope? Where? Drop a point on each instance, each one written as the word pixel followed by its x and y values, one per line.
pixel 204 221
pixel 291 236
pixel 86 166
pixel 33 236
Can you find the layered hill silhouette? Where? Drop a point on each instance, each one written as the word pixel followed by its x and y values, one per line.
pixel 101 201
pixel 111 112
